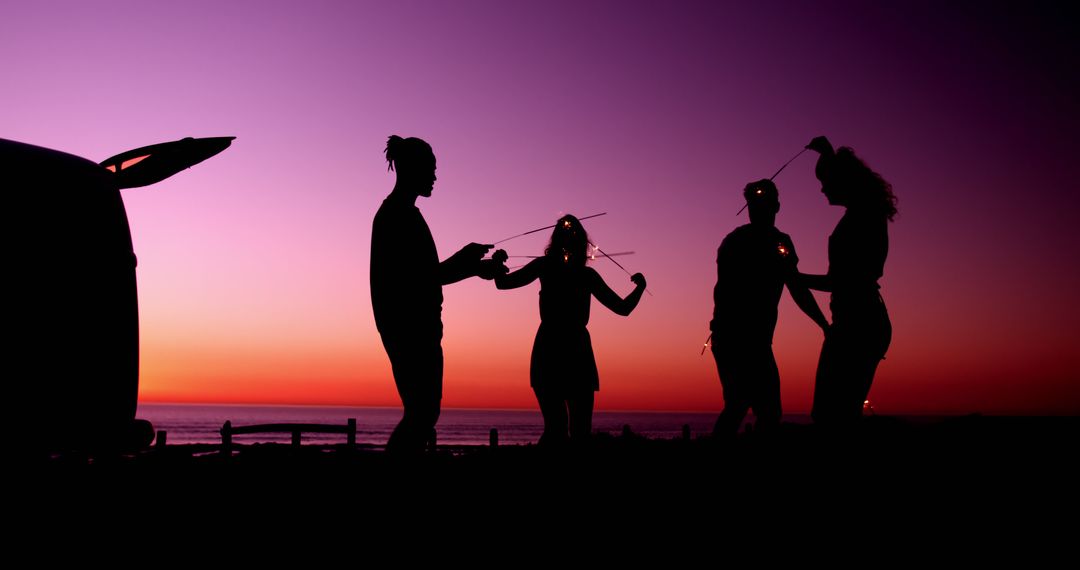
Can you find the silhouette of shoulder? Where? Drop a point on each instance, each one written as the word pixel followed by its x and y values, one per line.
pixel 754 241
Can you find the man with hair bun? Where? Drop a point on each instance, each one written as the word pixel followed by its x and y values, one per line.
pixel 406 290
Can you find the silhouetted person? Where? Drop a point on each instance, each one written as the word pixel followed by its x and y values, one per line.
pixel 563 371
pixel 861 330
pixel 406 290
pixel 753 264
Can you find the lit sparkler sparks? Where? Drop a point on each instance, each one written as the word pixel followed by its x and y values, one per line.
pixel 616 263
pixel 759 191
pixel 566 223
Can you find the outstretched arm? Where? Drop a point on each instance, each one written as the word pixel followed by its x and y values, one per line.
pixel 807 281
pixel 610 299
pixel 521 277
pixel 805 300
pixel 463 264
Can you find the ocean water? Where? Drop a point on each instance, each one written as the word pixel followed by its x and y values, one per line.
pixel 191 423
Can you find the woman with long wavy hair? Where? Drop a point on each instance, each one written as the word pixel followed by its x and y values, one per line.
pixel 861 331
pixel 563 371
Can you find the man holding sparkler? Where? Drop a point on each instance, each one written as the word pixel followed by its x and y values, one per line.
pixel 753 264
pixel 406 290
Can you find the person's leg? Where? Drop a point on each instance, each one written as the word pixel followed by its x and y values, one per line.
pixel 731 368
pixel 766 391
pixel 418 376
pixel 417 426
pixel 553 407
pixel 868 352
pixel 849 360
pixel 828 383
pixel 580 404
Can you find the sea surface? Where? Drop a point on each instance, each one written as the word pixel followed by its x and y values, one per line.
pixel 200 423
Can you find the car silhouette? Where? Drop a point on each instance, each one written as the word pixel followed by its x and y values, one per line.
pixel 73 373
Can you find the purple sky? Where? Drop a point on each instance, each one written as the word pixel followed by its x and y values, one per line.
pixel 253 265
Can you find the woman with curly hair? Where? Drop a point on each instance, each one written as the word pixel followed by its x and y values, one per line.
pixel 861 331
pixel 563 371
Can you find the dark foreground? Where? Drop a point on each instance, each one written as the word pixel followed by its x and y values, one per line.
pixel 990 476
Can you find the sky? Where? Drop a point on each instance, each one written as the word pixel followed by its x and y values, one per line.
pixel 253 266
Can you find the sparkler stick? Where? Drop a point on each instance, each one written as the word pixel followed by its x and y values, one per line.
pixel 593 245
pixel 774 175
pixel 704 348
pixel 590 257
pixel 546 228
pixel 788 162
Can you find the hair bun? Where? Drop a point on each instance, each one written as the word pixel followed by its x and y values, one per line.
pixel 393 145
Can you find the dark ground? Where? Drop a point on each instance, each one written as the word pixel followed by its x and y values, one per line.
pixel 993 484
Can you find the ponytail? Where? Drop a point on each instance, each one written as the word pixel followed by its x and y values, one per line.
pixel 393 150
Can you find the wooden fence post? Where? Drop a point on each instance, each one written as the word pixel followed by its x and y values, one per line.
pixel 226 439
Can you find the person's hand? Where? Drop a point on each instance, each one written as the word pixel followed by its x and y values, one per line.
pixel 489 269
pixel 638 280
pixel 494 267
pixel 821 145
pixel 474 251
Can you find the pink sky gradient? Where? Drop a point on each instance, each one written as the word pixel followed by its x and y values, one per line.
pixel 253 266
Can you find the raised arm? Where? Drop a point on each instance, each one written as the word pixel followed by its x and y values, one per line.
pixel 521 277
pixel 610 299
pixel 823 147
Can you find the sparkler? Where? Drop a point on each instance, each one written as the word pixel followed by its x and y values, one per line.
pixel 546 228
pixel 566 223
pixel 592 257
pixel 593 245
pixel 759 191
pixel 797 155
